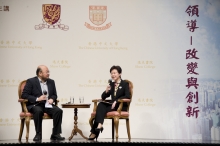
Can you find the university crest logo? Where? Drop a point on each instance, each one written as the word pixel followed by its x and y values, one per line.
pixel 98 16
pixel 51 18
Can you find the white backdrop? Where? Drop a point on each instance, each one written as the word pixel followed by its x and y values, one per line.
pixel 147 38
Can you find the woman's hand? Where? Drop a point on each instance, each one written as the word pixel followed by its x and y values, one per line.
pixel 108 88
pixel 113 105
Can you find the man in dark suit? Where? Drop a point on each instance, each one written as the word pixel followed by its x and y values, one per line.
pixel 40 91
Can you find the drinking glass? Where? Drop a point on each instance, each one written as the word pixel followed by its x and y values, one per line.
pixel 72 101
pixel 80 99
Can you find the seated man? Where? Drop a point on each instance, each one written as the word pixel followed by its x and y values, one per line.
pixel 40 91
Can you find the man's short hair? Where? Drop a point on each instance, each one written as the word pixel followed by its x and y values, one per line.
pixel 38 70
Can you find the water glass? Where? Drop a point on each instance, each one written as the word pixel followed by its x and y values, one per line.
pixel 80 99
pixel 71 99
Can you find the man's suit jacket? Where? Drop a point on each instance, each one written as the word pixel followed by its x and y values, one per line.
pixel 122 92
pixel 32 91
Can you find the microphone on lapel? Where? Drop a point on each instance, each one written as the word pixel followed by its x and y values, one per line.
pixel 45 92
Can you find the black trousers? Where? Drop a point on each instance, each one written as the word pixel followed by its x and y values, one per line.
pixel 101 111
pixel 56 113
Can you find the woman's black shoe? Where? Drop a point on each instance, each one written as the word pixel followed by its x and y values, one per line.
pixel 99 129
pixel 96 136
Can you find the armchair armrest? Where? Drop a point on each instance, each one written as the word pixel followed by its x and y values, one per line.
pixel 124 100
pixel 121 104
pixel 56 102
pixel 24 101
pixel 23 104
pixel 95 100
pixel 95 103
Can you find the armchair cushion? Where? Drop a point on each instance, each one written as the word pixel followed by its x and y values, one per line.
pixel 114 113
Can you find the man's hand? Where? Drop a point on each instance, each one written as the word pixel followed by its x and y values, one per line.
pixel 42 97
pixel 113 105
pixel 50 101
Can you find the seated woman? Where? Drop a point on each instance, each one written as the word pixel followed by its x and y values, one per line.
pixel 118 89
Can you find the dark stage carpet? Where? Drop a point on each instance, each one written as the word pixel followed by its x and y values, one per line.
pixel 110 141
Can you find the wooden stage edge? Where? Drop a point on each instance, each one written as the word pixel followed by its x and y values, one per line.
pixel 110 141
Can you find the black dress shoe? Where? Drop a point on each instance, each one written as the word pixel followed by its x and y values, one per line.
pixel 95 136
pixel 37 137
pixel 56 137
pixel 99 129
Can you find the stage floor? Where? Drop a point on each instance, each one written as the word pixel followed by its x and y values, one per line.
pixel 109 140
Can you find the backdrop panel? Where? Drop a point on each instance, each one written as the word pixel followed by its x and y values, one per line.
pixel 169 50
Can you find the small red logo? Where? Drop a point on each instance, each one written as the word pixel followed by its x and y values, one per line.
pixel 98 15
pixel 51 18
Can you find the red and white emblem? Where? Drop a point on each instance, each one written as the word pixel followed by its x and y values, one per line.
pixel 51 18
pixel 98 14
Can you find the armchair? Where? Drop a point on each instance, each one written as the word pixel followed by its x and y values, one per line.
pixel 26 116
pixel 115 116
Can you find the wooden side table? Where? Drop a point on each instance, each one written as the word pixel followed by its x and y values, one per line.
pixel 76 129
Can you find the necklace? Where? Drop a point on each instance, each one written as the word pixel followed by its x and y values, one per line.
pixel 118 82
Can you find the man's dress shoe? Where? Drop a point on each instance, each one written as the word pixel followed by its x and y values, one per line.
pixel 57 137
pixel 37 137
